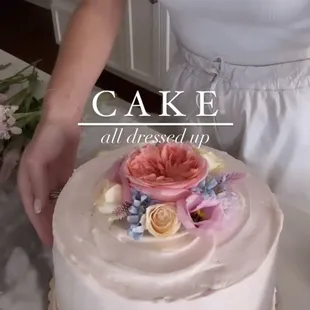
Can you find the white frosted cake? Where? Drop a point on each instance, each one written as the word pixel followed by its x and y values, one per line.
pixel 166 227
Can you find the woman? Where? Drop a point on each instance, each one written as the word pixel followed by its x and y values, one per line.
pixel 254 54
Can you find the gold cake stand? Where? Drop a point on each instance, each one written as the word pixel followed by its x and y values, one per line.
pixel 53 303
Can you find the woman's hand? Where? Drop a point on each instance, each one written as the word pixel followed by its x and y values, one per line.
pixel 49 159
pixel 46 165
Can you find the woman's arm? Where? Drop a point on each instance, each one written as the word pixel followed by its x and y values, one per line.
pixel 49 159
pixel 84 52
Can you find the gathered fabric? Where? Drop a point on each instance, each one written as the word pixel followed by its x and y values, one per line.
pixel 269 107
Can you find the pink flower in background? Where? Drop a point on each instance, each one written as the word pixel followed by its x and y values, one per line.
pixel 166 171
pixel 200 216
pixel 7 122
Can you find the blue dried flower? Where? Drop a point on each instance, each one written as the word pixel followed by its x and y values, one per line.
pixel 207 188
pixel 137 208
pixel 135 231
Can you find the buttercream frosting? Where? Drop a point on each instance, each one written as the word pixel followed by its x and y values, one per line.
pixel 178 267
pixel 53 302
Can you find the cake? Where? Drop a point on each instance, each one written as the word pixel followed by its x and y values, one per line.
pixel 165 226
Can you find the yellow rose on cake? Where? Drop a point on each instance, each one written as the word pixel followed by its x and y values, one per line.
pixel 161 220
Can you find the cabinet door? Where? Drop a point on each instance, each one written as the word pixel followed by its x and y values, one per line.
pixel 142 35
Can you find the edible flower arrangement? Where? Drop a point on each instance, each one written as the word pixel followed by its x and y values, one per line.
pixel 161 189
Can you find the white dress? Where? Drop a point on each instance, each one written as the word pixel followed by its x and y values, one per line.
pixel 255 55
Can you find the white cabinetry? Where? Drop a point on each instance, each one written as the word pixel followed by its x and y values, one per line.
pixel 145 44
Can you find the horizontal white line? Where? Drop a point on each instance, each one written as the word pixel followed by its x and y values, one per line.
pixel 154 124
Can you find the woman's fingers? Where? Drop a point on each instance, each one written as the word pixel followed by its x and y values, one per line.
pixel 39 182
pixel 26 191
pixel 39 179
pixel 44 228
pixel 44 169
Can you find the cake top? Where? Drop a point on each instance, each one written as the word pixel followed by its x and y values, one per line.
pixel 165 221
pixel 165 189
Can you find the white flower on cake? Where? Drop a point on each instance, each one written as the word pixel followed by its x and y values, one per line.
pixel 215 163
pixel 110 198
pixel 161 220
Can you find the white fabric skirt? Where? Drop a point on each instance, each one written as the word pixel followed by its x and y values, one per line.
pixel 270 109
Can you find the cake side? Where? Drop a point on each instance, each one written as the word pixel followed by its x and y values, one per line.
pixel 181 267
pixel 75 291
pixel 53 304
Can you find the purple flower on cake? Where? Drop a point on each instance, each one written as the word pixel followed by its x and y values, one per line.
pixel 229 201
pixel 165 172
pixel 200 216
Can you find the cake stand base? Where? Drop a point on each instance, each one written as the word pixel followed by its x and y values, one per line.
pixel 53 303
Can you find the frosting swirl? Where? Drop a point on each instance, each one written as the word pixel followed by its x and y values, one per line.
pixel 177 267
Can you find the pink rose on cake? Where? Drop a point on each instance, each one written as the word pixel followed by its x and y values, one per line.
pixel 200 216
pixel 165 172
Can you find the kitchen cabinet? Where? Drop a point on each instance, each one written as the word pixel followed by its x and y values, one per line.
pixel 144 47
pixel 42 3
